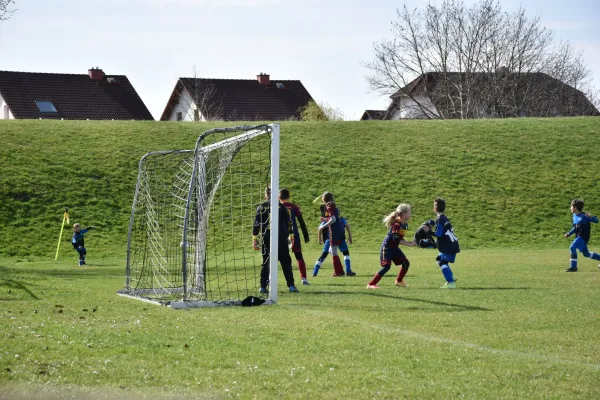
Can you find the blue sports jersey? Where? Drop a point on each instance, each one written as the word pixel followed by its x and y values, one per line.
pixel 581 226
pixel 77 239
pixel 447 240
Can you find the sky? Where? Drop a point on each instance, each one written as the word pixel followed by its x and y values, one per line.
pixel 323 43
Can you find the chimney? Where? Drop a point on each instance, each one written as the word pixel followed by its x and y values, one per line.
pixel 263 78
pixel 96 74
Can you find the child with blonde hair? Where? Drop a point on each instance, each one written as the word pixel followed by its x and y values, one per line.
pixel 397 222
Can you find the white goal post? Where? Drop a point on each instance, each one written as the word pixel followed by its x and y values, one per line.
pixel 190 229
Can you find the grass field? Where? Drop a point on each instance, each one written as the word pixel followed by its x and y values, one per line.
pixel 517 327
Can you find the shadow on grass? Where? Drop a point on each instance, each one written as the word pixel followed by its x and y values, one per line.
pixel 75 272
pixel 18 286
pixel 459 307
pixel 494 288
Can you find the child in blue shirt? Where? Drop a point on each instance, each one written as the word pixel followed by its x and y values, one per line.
pixel 78 242
pixel 582 230
pixel 447 243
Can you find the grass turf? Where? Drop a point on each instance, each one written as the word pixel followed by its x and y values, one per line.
pixel 517 327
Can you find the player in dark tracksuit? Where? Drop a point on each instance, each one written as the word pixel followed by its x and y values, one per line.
pixel 261 226
pixel 425 236
pixel 447 243
pixel 582 231
pixel 297 219
pixel 78 242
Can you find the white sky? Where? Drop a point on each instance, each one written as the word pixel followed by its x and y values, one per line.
pixel 320 42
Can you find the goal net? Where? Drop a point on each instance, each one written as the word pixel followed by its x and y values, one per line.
pixel 190 231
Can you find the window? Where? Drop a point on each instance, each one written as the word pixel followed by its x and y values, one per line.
pixel 179 116
pixel 111 80
pixel 280 85
pixel 45 106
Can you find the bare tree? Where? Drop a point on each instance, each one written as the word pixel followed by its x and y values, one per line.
pixel 450 61
pixel 5 11
pixel 199 98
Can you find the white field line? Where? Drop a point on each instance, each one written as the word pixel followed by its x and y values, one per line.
pixel 438 339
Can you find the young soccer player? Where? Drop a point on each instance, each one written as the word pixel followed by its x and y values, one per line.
pixel 333 223
pixel 324 240
pixel 447 243
pixel 78 242
pixel 296 216
pixel 261 225
pixel 397 222
pixel 424 236
pixel 581 229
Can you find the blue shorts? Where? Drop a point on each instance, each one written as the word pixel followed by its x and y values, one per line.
pixel 447 257
pixel 579 244
pixel 342 247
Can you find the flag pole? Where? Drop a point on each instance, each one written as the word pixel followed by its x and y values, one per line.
pixel 65 218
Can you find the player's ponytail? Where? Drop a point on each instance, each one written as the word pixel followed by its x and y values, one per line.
pixel 401 209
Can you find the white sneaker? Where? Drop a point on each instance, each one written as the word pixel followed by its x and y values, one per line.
pixel 305 281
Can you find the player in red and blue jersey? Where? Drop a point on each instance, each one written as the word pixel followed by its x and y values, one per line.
pixel 324 239
pixel 397 222
pixel 582 231
pixel 333 223
pixel 297 219
pixel 447 243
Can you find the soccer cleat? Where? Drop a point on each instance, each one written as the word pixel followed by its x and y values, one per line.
pixel 572 269
pixel 262 290
pixel 314 274
pixel 305 281
pixel 293 289
pixel 449 285
pixel 80 263
pixel 351 273
pixel 372 287
pixel 400 283
pixel 340 274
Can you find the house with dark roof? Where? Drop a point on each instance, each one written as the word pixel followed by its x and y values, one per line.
pixel 369 115
pixel 487 95
pixel 260 99
pixel 93 96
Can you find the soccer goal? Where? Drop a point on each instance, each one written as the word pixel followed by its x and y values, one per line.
pixel 190 231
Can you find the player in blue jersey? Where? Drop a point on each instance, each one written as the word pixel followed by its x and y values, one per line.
pixel 447 243
pixel 297 219
pixel 397 222
pixel 582 230
pixel 324 240
pixel 78 242
pixel 336 231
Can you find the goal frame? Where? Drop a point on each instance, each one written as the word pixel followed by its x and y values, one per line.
pixel 274 225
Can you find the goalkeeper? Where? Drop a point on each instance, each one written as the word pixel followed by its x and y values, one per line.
pixel 261 226
pixel 78 242
pixel 425 235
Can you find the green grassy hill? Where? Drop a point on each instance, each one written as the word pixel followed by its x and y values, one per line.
pixel 507 182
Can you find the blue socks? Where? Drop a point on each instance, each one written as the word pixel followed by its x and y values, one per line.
pixel 447 272
pixel 347 263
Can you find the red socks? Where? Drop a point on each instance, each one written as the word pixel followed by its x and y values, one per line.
pixel 375 279
pixel 338 269
pixel 302 268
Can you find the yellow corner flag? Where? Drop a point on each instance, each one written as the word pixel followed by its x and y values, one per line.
pixel 65 218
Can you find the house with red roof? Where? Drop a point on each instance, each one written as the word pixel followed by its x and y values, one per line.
pixel 260 99
pixel 91 96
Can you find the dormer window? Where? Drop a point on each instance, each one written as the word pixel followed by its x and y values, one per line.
pixel 46 106
pixel 280 85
